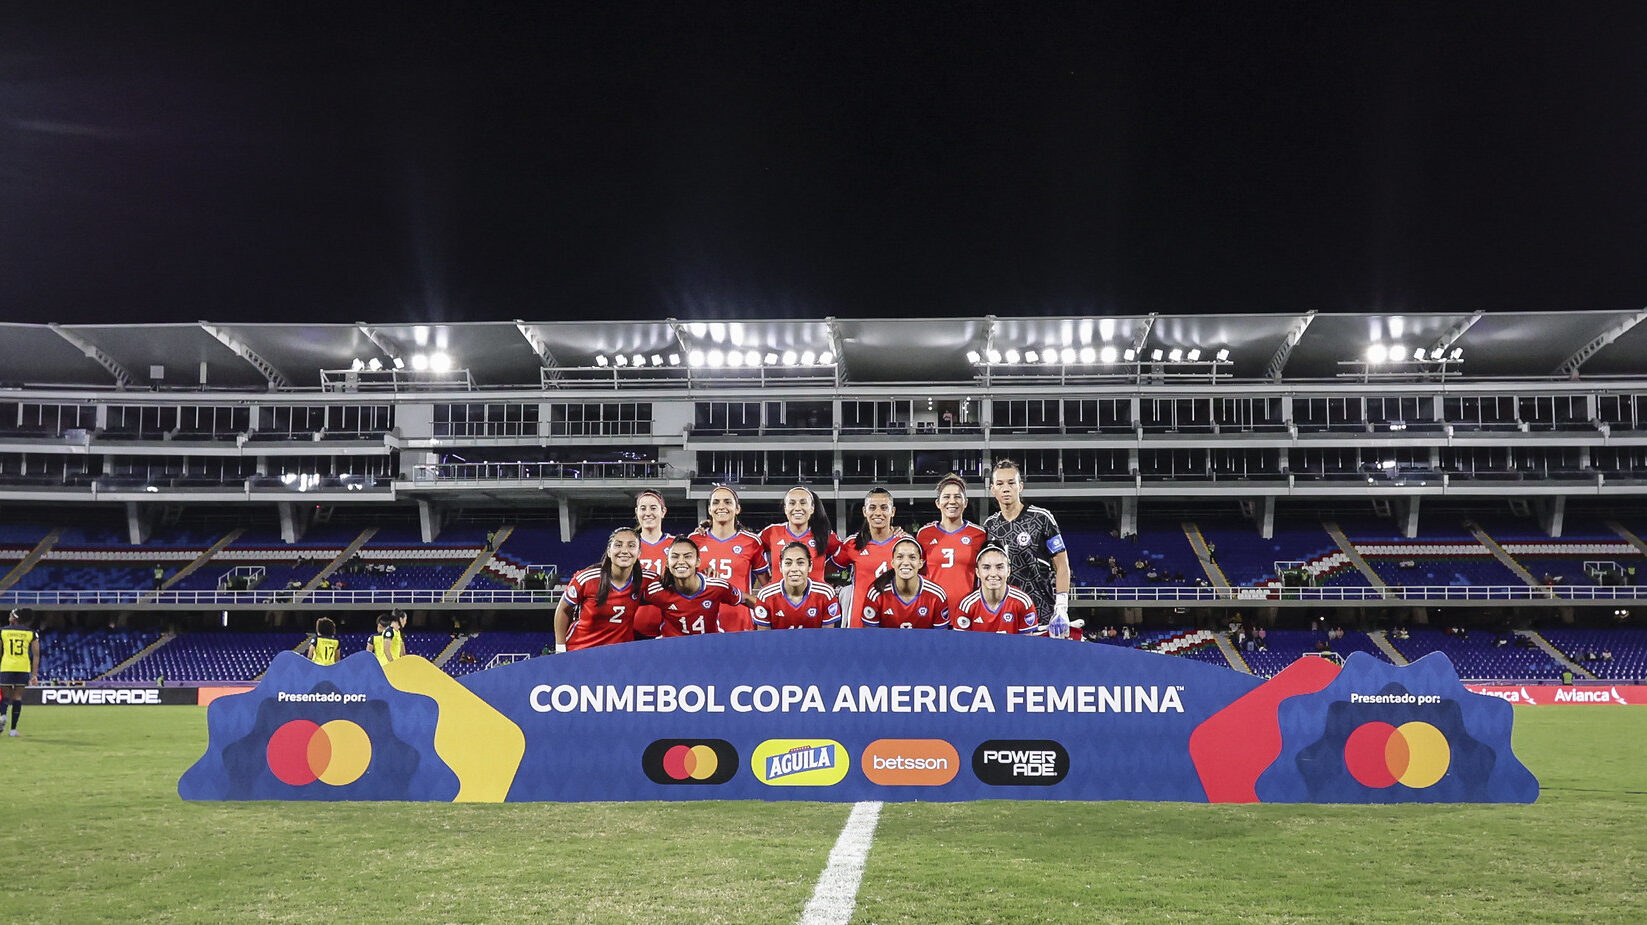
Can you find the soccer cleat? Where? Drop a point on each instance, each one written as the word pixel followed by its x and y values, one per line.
pixel 12 733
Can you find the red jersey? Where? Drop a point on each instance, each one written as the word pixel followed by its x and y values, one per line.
pixel 872 560
pixel 654 558
pixel 778 536
pixel 1016 614
pixel 602 624
pixel 952 558
pixel 816 608
pixel 734 560
pixel 692 614
pixel 926 610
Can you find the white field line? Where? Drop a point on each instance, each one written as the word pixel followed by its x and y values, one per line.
pixel 837 892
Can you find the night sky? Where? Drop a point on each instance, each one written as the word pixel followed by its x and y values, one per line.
pixel 415 162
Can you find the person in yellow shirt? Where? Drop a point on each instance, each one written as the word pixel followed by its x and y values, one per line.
pixel 19 665
pixel 323 645
pixel 400 631
pixel 385 641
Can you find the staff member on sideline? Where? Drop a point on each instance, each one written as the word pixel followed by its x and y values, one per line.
pixel 19 664
pixel 1027 533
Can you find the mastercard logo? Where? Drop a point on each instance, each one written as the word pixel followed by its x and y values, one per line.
pixel 301 752
pixel 690 761
pixel 1414 755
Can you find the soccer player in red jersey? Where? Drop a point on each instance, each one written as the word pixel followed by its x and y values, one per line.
pixel 654 555
pixel 804 522
pixel 729 552
pixel 997 606
pixel 869 551
pixel 900 598
pixel 691 601
pixel 797 600
pixel 951 543
pixel 605 597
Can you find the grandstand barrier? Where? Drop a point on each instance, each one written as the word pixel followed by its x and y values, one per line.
pixel 1081 596
pixel 861 716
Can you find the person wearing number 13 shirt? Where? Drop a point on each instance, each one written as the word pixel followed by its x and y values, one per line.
pixel 730 552
pixel 604 597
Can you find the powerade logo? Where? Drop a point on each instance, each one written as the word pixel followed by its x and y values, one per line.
pixel 799 762
pixel 690 761
pixel 1020 762
pixel 99 695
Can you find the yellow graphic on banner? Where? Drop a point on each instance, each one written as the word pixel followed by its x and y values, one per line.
pixel 800 762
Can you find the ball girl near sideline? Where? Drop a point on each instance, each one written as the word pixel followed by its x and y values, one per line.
pixel 804 522
pixel 868 552
pixel 997 606
pixel 901 598
pixel 797 600
pixel 951 543
pixel 730 552
pixel 689 600
pixel 604 597
pixel 650 510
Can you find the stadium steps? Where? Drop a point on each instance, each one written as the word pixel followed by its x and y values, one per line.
pixel 1383 643
pixel 1498 553
pixel 22 568
pixel 481 558
pixel 1198 543
pixel 198 563
pixel 1556 654
pixel 145 652
pixel 451 650
pixel 1348 548
pixel 1613 525
pixel 337 563
pixel 1231 653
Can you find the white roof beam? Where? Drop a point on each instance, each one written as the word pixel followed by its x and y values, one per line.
pixel 1295 333
pixel 276 379
pixel 1446 341
pixel 391 348
pixel 122 378
pixel 1578 359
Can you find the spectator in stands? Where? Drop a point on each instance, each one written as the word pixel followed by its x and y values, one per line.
pixel 1262 637
pixel 323 645
pixel 159 576
pixel 1606 655
pixel 19 664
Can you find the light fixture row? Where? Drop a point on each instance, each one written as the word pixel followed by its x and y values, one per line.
pixel 716 358
pixel 1398 353
pixel 1070 356
pixel 421 362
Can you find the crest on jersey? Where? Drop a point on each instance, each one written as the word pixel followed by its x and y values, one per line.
pixel 811 611
pixel 738 550
pixel 707 604
pixel 966 541
pixel 1023 538
pixel 964 622
pixel 922 611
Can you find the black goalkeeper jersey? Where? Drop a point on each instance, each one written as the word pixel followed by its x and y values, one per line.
pixel 1031 540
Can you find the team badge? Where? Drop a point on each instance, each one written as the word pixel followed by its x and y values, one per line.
pixel 1023 538
pixel 963 622
pixel 966 541
pixel 921 612
pixel 707 604
pixel 738 550
pixel 811 611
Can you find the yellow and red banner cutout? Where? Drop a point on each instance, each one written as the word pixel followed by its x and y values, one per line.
pixel 301 752
pixel 1380 755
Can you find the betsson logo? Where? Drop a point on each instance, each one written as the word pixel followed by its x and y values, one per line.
pixel 1020 762
pixel 910 762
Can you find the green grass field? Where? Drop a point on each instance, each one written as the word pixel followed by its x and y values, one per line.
pixel 98 834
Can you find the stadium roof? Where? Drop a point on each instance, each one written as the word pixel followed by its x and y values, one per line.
pixel 896 350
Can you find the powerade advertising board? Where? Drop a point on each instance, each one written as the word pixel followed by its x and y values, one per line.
pixel 861 715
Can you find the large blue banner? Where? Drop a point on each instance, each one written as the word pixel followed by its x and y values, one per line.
pixel 861 715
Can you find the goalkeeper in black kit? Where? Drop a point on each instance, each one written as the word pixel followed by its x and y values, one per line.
pixel 1034 546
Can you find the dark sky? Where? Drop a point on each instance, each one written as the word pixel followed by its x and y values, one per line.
pixel 384 162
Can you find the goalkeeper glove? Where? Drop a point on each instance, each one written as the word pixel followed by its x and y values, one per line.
pixel 1058 626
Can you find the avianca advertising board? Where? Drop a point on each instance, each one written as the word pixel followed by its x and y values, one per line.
pixel 1545 695
pixel 850 716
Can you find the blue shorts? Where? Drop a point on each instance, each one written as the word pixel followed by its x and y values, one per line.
pixel 14 679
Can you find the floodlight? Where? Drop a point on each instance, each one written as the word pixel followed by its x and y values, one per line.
pixel 600 360
pixel 790 358
pixel 1377 353
pixel 420 362
pixel 374 364
pixel 1194 356
pixel 1089 355
pixel 1175 354
pixel 1011 355
pixel 1107 354
pixel 440 362
pixel 826 358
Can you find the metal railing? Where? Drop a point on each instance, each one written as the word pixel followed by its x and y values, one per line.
pixel 1089 596
pixel 539 471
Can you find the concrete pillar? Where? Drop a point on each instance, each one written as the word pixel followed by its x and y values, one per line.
pixel 1551 511
pixel 1409 516
pixel 568 521
pixel 293 521
pixel 428 520
pixel 1266 517
pixel 139 523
